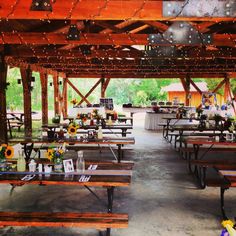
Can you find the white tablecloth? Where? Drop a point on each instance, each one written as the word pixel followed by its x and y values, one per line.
pixel 85 110
pixel 153 119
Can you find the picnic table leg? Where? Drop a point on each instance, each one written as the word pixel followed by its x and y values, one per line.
pixel 110 195
pixel 222 202
pixel 119 152
pixel 124 132
pixel 201 176
pixel 195 151
pixel 9 127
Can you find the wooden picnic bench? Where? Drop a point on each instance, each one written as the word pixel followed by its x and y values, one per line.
pixel 119 142
pixel 227 180
pixel 111 175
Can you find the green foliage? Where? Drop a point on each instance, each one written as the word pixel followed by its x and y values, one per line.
pixel 137 91
pixel 212 84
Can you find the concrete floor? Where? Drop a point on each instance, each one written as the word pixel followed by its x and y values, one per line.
pixel 162 200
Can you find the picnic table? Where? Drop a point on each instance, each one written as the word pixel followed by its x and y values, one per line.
pixel 28 144
pixel 108 175
pixel 108 129
pixel 199 164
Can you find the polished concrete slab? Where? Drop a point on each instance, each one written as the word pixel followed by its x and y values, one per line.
pixel 162 200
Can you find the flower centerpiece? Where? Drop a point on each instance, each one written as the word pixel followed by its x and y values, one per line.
pixel 55 155
pixel 72 129
pixel 95 115
pixel 6 152
pixel 83 117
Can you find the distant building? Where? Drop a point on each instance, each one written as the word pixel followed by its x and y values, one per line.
pixel 175 91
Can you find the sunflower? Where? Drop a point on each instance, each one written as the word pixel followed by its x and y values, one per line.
pixel 78 116
pixel 72 130
pixel 49 154
pixel 9 152
pixel 74 101
pixel 60 151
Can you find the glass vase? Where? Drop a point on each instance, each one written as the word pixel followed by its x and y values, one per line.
pixel 58 166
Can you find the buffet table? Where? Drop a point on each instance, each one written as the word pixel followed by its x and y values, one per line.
pixel 152 120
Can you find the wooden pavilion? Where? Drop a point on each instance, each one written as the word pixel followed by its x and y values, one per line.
pixel 95 39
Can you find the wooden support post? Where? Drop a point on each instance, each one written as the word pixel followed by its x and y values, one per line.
pixel 64 95
pixel 104 85
pixel 3 110
pixel 186 84
pixel 26 82
pixel 44 95
pixel 56 95
pixel 187 92
pixel 227 89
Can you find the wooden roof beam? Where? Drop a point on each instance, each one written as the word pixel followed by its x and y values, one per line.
pixel 96 39
pixel 50 53
pixel 147 75
pixel 95 10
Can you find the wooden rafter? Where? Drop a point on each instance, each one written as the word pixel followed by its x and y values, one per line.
pixel 95 39
pixel 24 65
pixel 118 26
pixel 85 9
pixel 160 26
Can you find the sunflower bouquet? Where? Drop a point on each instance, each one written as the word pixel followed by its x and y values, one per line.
pixel 72 129
pixel 6 152
pixel 55 155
